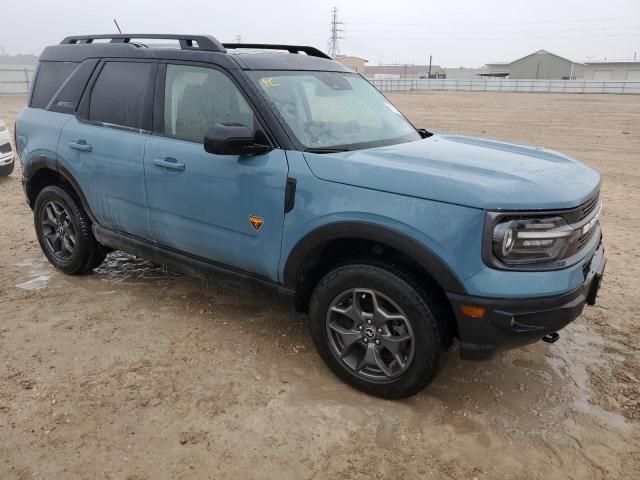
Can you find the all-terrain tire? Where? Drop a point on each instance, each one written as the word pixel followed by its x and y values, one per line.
pixel 406 295
pixel 86 253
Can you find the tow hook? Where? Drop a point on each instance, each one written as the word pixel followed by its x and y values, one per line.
pixel 551 337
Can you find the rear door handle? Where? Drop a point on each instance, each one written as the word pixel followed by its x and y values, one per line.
pixel 169 163
pixel 81 145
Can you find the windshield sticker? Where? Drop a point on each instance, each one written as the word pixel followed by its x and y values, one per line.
pixel 268 82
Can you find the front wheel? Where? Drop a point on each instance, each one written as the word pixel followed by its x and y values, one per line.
pixel 375 331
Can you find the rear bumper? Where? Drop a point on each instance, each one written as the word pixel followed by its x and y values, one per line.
pixel 509 323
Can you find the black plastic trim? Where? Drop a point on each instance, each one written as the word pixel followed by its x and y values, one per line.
pixel 205 42
pixel 436 267
pixel 311 51
pixel 31 167
pixel 185 262
pixel 509 323
pixel 290 194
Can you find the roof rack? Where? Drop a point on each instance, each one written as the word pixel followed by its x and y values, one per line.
pixel 187 42
pixel 311 51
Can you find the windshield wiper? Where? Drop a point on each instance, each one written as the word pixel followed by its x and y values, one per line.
pixel 325 150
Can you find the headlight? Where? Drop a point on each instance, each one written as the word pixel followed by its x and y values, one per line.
pixel 531 240
pixel 545 240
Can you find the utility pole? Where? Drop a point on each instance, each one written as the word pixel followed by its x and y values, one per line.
pixel 429 74
pixel 238 39
pixel 334 49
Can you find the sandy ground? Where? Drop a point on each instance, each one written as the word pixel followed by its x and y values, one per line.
pixel 133 373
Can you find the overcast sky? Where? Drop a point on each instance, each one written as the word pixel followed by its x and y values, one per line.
pixel 455 32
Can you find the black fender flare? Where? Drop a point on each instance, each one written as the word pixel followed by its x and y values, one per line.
pixel 31 168
pixel 434 265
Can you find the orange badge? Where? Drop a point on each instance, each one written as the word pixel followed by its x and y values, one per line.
pixel 256 222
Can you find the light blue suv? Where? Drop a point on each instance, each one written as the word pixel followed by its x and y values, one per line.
pixel 288 171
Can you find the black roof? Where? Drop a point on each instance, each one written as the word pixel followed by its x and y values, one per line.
pixel 203 48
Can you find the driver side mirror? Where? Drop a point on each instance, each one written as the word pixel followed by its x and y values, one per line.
pixel 233 139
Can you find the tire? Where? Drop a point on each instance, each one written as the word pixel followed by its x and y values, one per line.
pixel 59 218
pixel 335 328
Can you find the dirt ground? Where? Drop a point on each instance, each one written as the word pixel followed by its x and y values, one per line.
pixel 134 373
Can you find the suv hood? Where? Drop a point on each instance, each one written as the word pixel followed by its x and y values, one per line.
pixel 465 171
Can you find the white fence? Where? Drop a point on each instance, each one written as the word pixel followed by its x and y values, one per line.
pixel 15 80
pixel 500 85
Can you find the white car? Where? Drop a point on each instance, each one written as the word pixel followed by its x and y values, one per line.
pixel 6 153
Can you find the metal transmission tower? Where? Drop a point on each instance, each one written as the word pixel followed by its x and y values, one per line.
pixel 334 48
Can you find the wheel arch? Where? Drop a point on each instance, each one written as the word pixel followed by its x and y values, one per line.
pixel 305 255
pixel 43 171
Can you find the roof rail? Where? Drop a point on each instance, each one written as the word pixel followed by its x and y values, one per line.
pixel 311 51
pixel 187 42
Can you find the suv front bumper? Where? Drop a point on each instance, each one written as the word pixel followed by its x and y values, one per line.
pixel 6 164
pixel 509 323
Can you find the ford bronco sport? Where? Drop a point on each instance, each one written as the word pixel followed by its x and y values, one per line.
pixel 286 169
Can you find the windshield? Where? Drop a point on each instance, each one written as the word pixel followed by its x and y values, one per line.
pixel 334 110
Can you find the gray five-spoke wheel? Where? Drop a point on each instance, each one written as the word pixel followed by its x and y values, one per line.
pixel 370 334
pixel 57 230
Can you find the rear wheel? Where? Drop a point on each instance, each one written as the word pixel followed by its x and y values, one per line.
pixel 375 331
pixel 64 232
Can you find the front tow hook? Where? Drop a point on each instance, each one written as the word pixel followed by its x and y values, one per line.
pixel 551 337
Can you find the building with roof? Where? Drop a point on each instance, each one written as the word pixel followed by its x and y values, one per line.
pixel 621 70
pixel 464 73
pixel 356 64
pixel 495 70
pixel 408 71
pixel 537 65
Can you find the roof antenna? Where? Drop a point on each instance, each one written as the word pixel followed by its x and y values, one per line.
pixel 117 26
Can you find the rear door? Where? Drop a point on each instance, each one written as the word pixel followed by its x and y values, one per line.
pixel 223 208
pixel 104 144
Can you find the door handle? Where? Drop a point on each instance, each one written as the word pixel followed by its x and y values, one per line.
pixel 81 145
pixel 169 163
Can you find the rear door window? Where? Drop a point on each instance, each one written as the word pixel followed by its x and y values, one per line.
pixel 51 75
pixel 123 94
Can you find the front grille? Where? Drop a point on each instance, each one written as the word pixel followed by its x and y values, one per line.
pixel 586 208
pixel 584 239
pixel 6 148
pixel 581 212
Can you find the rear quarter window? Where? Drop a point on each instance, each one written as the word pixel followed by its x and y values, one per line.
pixel 122 95
pixel 51 75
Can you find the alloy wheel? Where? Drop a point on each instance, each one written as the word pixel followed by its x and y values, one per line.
pixel 57 230
pixel 370 334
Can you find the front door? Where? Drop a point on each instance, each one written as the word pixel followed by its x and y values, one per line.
pixel 223 208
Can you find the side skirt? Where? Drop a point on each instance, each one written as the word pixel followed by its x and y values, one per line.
pixel 190 264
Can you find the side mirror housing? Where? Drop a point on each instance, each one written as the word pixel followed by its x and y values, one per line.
pixel 232 139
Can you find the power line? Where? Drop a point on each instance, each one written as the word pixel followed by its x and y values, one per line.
pixel 505 22
pixel 493 31
pixel 334 48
